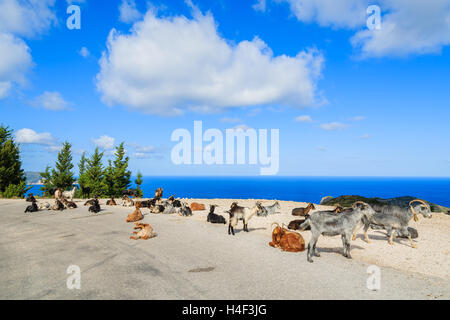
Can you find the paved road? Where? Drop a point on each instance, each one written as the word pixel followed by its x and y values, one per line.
pixel 187 260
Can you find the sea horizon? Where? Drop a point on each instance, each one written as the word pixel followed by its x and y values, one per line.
pixel 295 188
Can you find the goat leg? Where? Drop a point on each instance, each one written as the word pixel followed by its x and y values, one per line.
pixel 412 243
pixel 391 238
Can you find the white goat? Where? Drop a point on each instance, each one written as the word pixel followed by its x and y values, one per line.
pixel 240 213
pixel 69 194
pixel 266 210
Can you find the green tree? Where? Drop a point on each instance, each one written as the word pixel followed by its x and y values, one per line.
pixel 122 176
pixel 47 184
pixel 82 177
pixel 62 176
pixel 109 181
pixel 138 182
pixel 95 173
pixel 12 176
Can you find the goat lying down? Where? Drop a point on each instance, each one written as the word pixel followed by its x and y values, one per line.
pixel 287 240
pixel 214 218
pixel 145 231
pixel 328 223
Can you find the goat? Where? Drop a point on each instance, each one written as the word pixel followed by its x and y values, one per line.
pixel 338 209
pixel 303 211
pixel 185 210
pixel 158 208
pixel 237 213
pixel 396 219
pixel 329 224
pixel 214 218
pixel 69 204
pixel 136 215
pixel 30 198
pixel 295 224
pixel 127 202
pixel 111 202
pixel 94 206
pixel 44 205
pixel 58 205
pixel 159 193
pixel 69 194
pixel 58 193
pixel 145 231
pixel 175 202
pixel 32 207
pixel 197 206
pixel 91 201
pixel 269 209
pixel 129 193
pixel 287 240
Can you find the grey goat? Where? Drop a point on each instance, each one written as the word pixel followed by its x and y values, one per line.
pixel 266 210
pixel 328 223
pixel 395 219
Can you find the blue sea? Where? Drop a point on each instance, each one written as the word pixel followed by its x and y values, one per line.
pixel 308 189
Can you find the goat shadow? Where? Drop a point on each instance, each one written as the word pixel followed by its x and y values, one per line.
pixel 383 237
pixel 249 230
pixel 338 250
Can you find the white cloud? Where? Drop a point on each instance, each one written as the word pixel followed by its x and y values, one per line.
pixel 358 118
pixel 26 17
pixel 140 155
pixel 29 136
pixel 145 149
pixel 168 65
pixel 54 148
pixel 128 11
pixel 51 101
pixel 105 142
pixel 243 127
pixel 260 5
pixel 304 118
pixel 84 52
pixel 15 62
pixel 320 148
pixel 332 126
pixel 407 26
pixel 365 136
pixel 338 14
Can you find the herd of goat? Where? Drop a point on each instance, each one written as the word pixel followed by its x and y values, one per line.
pixel 345 222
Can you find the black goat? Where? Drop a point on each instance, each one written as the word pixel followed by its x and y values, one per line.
pixel 95 207
pixel 30 198
pixel 214 218
pixel 175 203
pixel 32 208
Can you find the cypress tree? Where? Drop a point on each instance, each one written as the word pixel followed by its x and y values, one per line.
pixel 82 179
pixel 121 173
pixel 62 176
pixel 95 174
pixel 138 182
pixel 12 176
pixel 109 180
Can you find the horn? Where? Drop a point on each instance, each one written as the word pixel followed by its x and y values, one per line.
pixel 359 202
pixel 414 211
pixel 276 223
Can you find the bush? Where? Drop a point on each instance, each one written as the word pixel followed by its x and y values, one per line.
pixel 15 190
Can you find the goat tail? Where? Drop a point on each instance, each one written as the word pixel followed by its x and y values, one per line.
pixel 304 225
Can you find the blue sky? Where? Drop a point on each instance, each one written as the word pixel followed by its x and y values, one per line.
pixel 348 101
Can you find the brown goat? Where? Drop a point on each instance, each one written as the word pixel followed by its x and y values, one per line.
pixel 287 240
pixel 136 215
pixel 295 224
pixel 145 231
pixel 197 206
pixel 111 202
pixel 159 193
pixel 303 211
